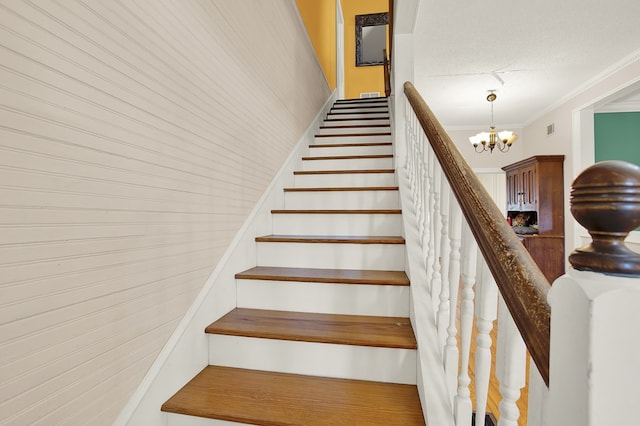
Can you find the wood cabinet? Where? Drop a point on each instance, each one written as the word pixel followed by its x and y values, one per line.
pixel 535 192
pixel 548 253
pixel 522 189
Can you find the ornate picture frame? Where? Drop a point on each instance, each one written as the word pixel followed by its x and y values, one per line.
pixel 363 58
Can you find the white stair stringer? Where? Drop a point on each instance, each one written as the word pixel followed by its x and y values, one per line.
pixel 345 178
pixel 326 298
pixel 391 365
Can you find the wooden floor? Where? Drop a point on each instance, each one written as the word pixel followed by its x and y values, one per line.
pixel 267 398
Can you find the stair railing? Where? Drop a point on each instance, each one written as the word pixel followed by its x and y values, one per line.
pixel 464 262
pixel 477 271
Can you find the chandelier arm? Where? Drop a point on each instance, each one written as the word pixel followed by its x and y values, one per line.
pixel 503 147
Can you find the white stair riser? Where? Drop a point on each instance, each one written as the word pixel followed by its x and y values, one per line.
pixel 357 116
pixel 352 130
pixel 328 298
pixel 184 420
pixel 355 122
pixel 353 109
pixel 337 224
pixel 349 164
pixel 329 151
pixel 342 180
pixel 336 200
pixel 331 255
pixel 361 101
pixel 325 140
pixel 317 359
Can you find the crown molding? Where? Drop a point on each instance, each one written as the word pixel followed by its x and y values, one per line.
pixel 614 68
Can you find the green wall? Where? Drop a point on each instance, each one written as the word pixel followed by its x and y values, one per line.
pixel 617 136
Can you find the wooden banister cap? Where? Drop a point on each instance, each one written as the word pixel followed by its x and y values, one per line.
pixel 605 199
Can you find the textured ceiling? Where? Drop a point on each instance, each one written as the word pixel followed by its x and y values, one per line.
pixel 533 53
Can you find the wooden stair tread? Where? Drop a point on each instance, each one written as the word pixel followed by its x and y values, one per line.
pixel 342 171
pixel 341 276
pixel 342 145
pixel 355 119
pixel 355 126
pixel 344 112
pixel 374 99
pixel 346 188
pixel 268 398
pixel 320 211
pixel 348 157
pixel 338 239
pixel 360 330
pixel 358 105
pixel 342 135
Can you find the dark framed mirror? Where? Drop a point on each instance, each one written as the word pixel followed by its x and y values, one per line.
pixel 371 38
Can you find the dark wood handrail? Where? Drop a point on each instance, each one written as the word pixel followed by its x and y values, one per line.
pixel 391 7
pixel 522 284
pixel 387 74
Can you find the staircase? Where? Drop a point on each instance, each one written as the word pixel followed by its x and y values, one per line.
pixel 321 334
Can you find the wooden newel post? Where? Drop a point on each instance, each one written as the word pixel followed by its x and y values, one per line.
pixel 595 338
pixel 605 199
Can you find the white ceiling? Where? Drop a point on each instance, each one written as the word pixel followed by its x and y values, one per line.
pixel 533 53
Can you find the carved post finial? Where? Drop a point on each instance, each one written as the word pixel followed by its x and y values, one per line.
pixel 605 199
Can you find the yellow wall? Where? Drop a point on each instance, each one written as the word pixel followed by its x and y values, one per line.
pixel 319 18
pixel 360 79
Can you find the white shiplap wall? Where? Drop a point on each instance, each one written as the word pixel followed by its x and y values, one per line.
pixel 135 137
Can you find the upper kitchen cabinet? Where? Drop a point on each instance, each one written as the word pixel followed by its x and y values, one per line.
pixel 535 193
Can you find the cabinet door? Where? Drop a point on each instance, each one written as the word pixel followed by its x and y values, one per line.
pixel 513 188
pixel 529 191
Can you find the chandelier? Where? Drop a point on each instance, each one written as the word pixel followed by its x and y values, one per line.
pixel 487 141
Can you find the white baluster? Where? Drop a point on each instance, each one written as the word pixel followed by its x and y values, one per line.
pixel 410 151
pixel 445 251
pixel 462 401
pixel 511 364
pixel 417 182
pixel 486 313
pixel 408 113
pixel 426 240
pixel 451 349
pixel 436 233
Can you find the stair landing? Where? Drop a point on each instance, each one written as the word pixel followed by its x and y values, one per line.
pixel 268 398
